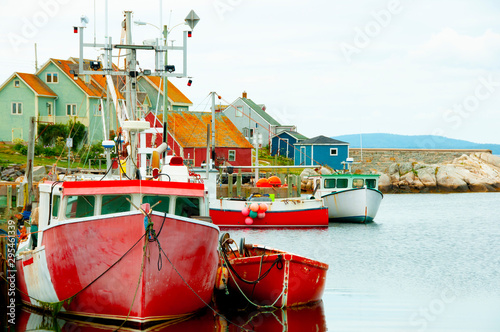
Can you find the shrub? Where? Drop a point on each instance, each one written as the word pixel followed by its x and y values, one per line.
pixel 49 133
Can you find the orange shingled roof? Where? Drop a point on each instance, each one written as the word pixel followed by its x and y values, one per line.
pixel 173 93
pixel 101 80
pixel 190 130
pixel 37 84
pixel 91 89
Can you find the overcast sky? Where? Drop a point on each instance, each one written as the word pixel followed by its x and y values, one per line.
pixel 331 67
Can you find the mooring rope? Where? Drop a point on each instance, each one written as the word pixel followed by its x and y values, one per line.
pixel 250 301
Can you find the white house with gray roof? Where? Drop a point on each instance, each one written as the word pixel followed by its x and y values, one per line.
pixel 252 119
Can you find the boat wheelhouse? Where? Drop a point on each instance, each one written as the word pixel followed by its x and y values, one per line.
pixel 349 197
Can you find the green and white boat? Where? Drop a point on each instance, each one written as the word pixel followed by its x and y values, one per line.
pixel 349 197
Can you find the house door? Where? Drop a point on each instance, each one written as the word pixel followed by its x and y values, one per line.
pixel 283 147
pixel 302 155
pixel 17 133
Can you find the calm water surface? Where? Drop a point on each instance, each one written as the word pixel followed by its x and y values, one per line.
pixel 428 263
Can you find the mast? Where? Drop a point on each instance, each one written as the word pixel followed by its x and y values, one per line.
pixel 213 127
pixel 131 73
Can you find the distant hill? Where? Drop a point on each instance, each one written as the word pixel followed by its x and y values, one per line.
pixel 412 142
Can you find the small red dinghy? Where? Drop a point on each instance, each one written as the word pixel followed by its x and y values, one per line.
pixel 272 277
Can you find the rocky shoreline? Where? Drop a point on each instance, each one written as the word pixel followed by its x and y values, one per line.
pixel 477 172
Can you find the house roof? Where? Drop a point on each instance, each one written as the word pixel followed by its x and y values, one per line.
pixel 294 134
pixel 190 130
pixel 175 95
pixel 36 84
pixel 263 114
pixel 322 140
pixel 91 89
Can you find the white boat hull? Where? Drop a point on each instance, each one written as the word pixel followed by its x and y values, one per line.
pixel 353 205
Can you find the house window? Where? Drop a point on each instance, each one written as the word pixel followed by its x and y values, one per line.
pixel 71 109
pixel 49 109
pixel 97 110
pixel 52 78
pixel 231 155
pixel 251 132
pixel 239 111
pixel 16 83
pixel 334 152
pixel 17 108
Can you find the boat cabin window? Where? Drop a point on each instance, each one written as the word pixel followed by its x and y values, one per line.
pixel 371 183
pixel 342 183
pixel 358 183
pixel 187 206
pixel 329 183
pixel 160 207
pixel 56 201
pixel 80 206
pixel 115 204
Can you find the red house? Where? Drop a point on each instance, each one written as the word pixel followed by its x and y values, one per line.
pixel 187 137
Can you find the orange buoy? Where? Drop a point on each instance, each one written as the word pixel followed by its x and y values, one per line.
pixel 274 181
pixel 262 207
pixel 254 207
pixel 263 183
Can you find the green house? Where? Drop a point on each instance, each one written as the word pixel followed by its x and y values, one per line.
pixel 57 94
pixel 21 97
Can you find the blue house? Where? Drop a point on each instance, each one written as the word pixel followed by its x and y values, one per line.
pixel 282 143
pixel 321 150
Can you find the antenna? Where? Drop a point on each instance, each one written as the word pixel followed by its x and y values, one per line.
pixel 36 60
pixel 95 20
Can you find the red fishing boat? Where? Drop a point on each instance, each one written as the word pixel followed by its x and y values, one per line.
pixel 102 255
pixel 272 277
pixel 282 212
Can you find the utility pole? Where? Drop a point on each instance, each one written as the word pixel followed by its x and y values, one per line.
pixel 213 127
pixel 165 92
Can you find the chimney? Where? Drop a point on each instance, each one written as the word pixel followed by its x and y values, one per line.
pixel 244 95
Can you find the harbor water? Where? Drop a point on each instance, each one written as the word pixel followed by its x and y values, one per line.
pixel 429 262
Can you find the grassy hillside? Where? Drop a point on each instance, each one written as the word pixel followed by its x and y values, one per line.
pixel 412 142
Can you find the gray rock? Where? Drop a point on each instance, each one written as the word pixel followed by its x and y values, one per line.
pixel 404 168
pixel 449 180
pixel 427 176
pixel 384 183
